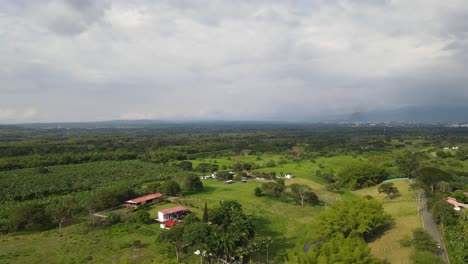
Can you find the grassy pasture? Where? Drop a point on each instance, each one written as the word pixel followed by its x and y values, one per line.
pixel 406 220
pixel 80 244
pixel 284 222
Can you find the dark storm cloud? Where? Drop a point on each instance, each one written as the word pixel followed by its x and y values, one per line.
pixel 88 60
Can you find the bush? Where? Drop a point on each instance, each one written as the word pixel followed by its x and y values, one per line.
pixel 406 241
pixel 141 217
pixel 258 192
pixel 137 243
pixel 113 218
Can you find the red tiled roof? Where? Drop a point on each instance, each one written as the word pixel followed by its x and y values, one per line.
pixel 145 198
pixel 173 210
pixel 454 202
pixel 169 223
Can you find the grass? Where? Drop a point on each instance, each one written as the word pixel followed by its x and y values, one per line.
pixel 282 221
pixel 286 222
pixel 301 169
pixel 406 220
pixel 81 244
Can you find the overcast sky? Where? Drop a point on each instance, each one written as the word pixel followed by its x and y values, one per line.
pixel 87 60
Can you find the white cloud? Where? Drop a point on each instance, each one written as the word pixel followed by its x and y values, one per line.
pixel 17 114
pixel 139 116
pixel 7 114
pixel 230 59
pixel 29 113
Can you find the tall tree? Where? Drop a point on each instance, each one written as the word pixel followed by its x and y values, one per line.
pixel 170 188
pixel 193 183
pixel 205 214
pixel 363 217
pixel 297 151
pixel 389 189
pixel 62 211
pixel 303 193
pixel 232 230
pixel 407 163
pixel 430 176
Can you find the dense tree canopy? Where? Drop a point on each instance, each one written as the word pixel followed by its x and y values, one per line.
pixel 389 189
pixel 303 193
pixel 430 176
pixel 360 174
pixel 193 183
pixel 358 217
pixel 336 250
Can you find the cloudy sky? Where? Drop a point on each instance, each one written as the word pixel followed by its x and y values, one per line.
pixel 87 60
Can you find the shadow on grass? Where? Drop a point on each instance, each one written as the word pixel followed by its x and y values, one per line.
pixel 380 232
pixel 208 190
pixel 279 244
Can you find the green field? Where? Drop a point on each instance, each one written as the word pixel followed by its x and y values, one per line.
pixel 285 222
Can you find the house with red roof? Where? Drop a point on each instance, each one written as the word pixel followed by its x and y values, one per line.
pixel 135 202
pixel 170 216
pixel 456 204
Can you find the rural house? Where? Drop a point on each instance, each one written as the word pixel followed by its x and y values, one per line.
pixel 170 216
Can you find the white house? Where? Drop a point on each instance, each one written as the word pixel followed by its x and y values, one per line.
pixel 168 217
pixel 288 176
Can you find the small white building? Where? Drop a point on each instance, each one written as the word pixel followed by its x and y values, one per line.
pixel 288 176
pixel 168 217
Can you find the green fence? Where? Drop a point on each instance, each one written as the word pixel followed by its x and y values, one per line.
pixel 396 179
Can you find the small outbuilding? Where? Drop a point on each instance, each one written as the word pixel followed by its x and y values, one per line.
pixel 135 202
pixel 288 176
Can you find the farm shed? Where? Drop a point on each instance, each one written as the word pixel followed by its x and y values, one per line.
pixel 135 202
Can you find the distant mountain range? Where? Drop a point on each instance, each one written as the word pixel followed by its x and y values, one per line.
pixel 425 114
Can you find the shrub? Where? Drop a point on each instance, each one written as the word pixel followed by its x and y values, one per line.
pixel 113 218
pixel 141 217
pixel 258 192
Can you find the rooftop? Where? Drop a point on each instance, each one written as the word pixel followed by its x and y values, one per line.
pixel 144 198
pixel 173 210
